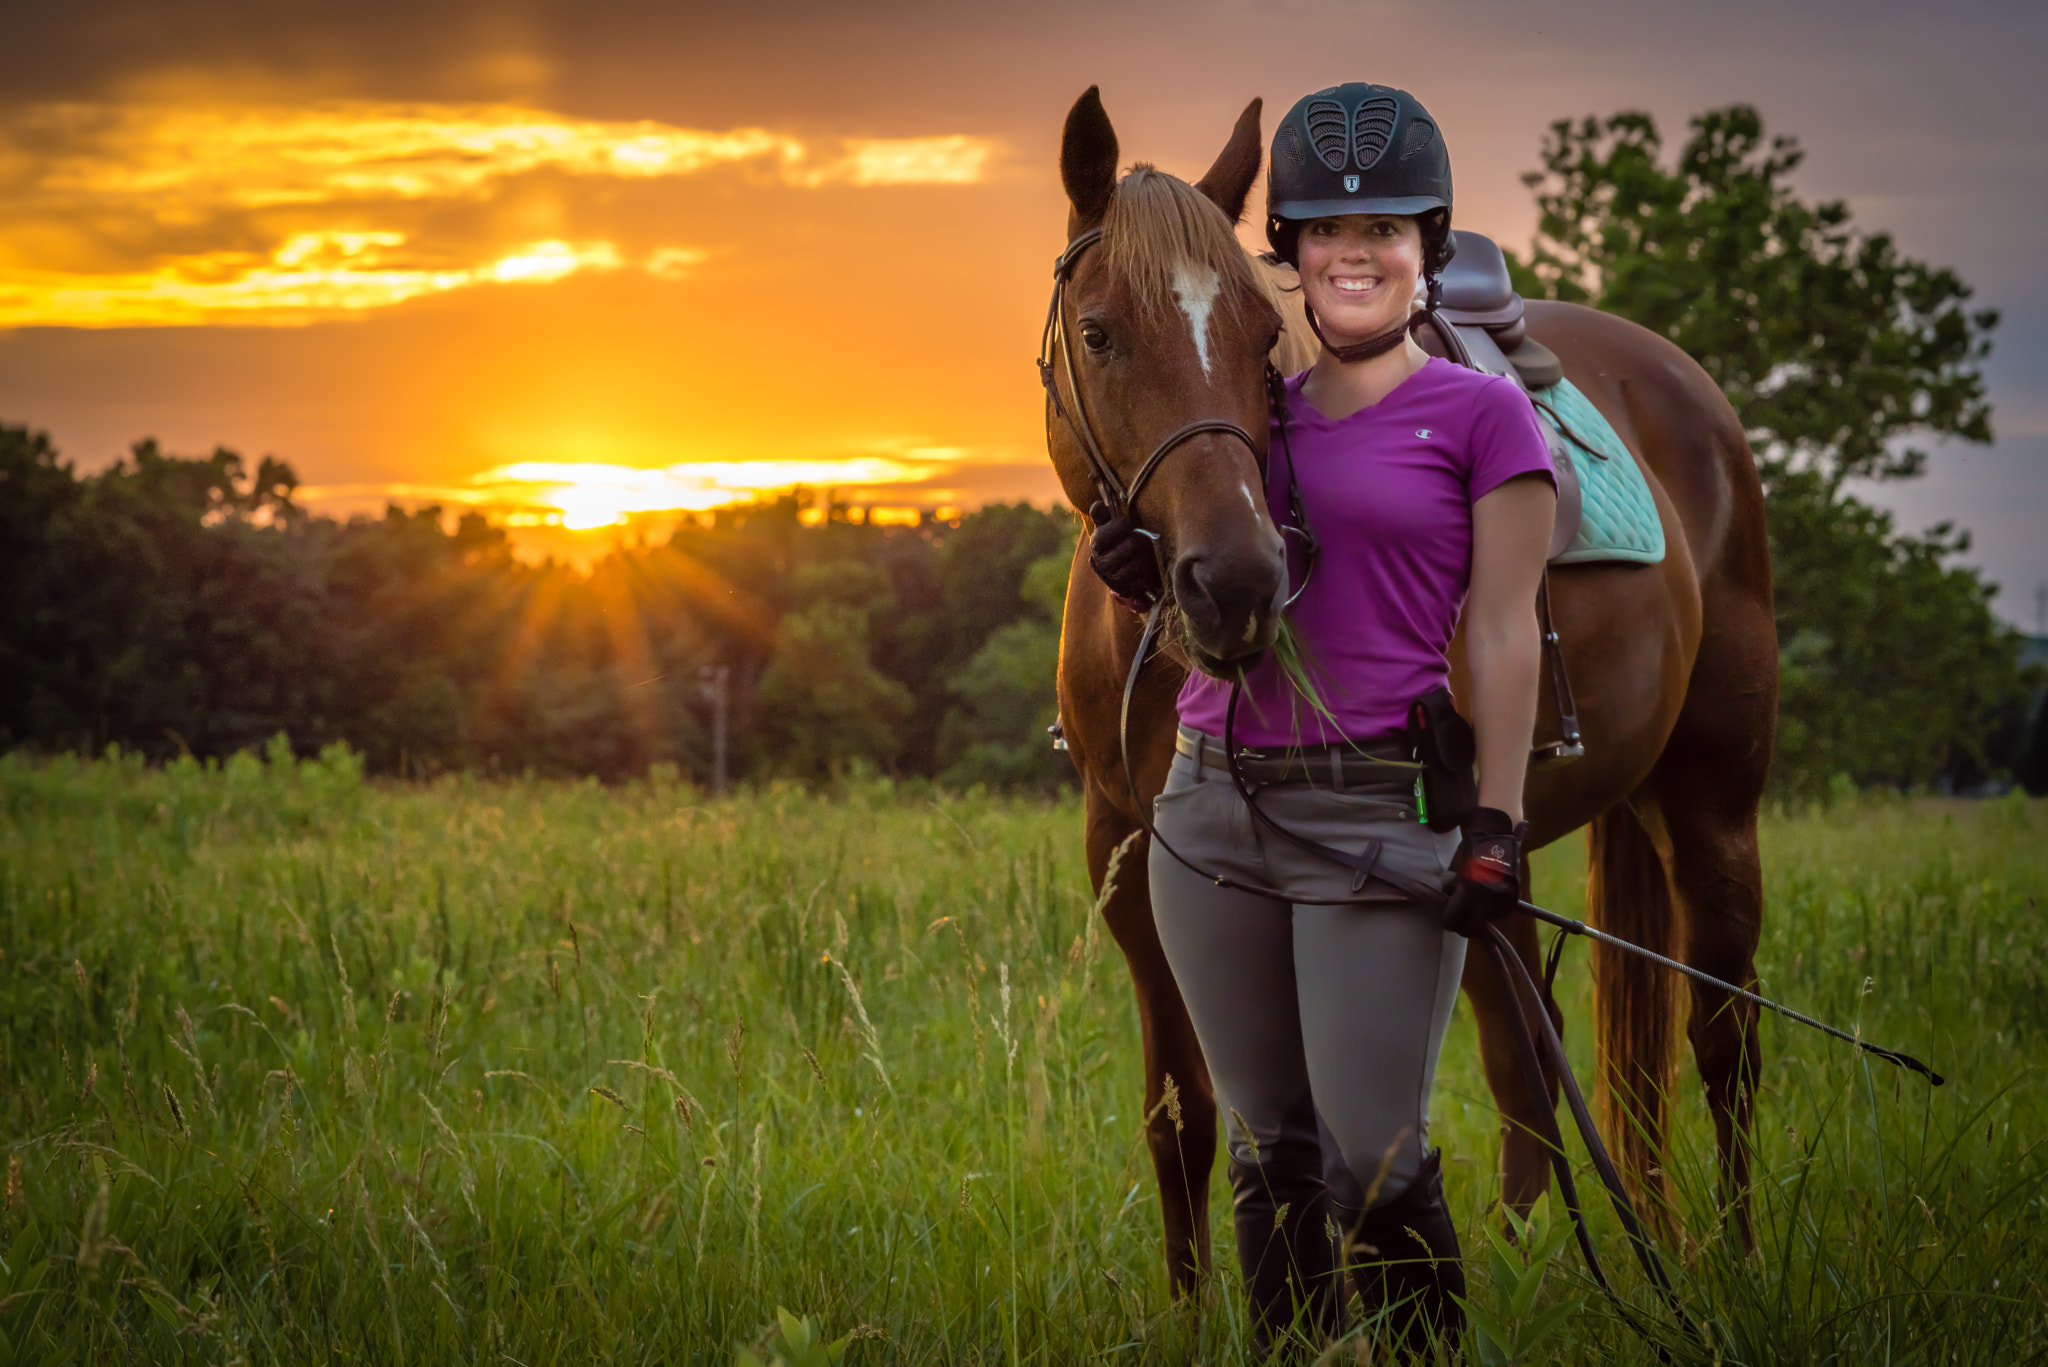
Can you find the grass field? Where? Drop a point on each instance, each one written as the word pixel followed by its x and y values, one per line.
pixel 303 1069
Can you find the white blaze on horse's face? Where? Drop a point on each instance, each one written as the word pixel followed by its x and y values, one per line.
pixel 1195 290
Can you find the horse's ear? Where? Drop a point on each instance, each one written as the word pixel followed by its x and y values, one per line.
pixel 1087 162
pixel 1229 182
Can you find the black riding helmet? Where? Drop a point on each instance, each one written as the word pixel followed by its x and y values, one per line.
pixel 1359 149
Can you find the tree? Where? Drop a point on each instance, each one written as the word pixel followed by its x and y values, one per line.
pixel 1837 352
pixel 180 603
pixel 822 701
pixel 1830 344
pixel 996 732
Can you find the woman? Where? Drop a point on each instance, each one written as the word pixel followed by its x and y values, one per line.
pixel 1429 491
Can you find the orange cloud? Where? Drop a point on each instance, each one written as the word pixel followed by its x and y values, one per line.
pixel 182 176
pixel 310 277
pixel 185 161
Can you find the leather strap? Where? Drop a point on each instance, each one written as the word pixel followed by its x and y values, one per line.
pixel 1367 349
pixel 1073 408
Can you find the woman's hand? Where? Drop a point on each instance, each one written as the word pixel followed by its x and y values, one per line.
pixel 1124 557
pixel 1489 868
pixel 1510 536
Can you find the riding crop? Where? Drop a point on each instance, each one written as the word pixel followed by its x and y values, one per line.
pixel 1571 927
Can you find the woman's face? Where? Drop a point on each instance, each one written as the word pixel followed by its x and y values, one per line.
pixel 1359 272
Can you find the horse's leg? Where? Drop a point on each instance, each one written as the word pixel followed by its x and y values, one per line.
pixel 1707 799
pixel 1182 1132
pixel 1524 1158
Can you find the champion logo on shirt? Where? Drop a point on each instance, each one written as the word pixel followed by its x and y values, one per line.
pixel 1422 432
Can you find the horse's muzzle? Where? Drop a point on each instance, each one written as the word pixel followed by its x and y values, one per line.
pixel 1230 601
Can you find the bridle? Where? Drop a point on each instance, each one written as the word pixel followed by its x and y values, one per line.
pixel 1056 357
pixel 1054 344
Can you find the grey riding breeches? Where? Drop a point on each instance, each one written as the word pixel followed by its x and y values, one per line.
pixel 1321 1024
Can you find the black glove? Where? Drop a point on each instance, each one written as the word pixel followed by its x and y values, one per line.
pixel 1123 556
pixel 1489 869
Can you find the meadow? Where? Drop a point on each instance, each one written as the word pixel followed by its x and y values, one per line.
pixel 298 1067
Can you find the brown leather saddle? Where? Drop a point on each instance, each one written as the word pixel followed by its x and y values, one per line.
pixel 1480 302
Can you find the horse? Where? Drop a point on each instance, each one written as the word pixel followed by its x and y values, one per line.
pixel 1674 665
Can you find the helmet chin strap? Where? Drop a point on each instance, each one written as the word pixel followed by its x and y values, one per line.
pixel 1386 341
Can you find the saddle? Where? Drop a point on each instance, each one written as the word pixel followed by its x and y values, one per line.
pixel 1480 304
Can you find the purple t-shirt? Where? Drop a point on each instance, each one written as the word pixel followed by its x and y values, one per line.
pixel 1389 493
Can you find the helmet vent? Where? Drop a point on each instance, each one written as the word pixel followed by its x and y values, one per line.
pixel 1325 120
pixel 1417 138
pixel 1287 146
pixel 1372 129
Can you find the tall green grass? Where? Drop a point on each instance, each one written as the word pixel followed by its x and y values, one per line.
pixel 301 1069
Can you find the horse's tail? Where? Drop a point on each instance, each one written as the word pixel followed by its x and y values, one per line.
pixel 1635 1006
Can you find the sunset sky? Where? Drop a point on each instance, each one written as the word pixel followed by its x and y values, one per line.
pixel 577 260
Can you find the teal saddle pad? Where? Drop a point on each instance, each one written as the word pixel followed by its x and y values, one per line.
pixel 1619 521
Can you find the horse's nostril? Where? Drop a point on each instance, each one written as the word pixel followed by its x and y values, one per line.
pixel 1229 602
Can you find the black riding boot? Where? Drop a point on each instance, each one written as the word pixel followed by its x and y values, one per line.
pixel 1404 1261
pixel 1285 1240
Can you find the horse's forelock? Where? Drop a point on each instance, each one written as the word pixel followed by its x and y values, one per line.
pixel 1159 229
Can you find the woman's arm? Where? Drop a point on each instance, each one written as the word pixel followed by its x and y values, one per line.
pixel 1510 534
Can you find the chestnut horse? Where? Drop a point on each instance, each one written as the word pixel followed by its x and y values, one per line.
pixel 1169 322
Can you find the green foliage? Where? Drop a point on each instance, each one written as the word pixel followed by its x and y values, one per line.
pixel 1836 351
pixel 1892 669
pixel 1830 344
pixel 822 702
pixel 793 1342
pixel 996 732
pixel 1508 1326
pixel 296 1068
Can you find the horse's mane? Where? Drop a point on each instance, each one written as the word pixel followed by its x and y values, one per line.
pixel 1297 348
pixel 1159 229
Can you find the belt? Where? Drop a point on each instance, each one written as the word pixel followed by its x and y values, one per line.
pixel 1381 762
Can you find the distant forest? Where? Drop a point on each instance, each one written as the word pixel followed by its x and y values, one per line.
pixel 183 605
pixel 180 605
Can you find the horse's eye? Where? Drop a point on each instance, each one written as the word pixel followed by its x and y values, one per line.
pixel 1094 338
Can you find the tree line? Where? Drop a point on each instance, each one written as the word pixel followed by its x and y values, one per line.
pixel 183 605
pixel 1843 358
pixel 186 604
